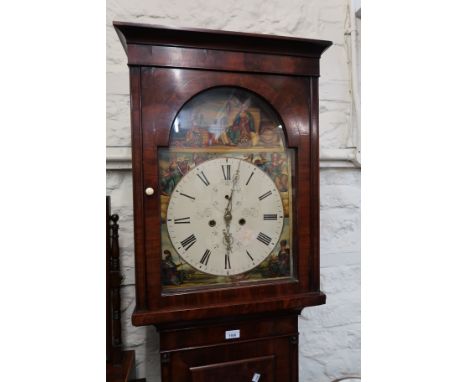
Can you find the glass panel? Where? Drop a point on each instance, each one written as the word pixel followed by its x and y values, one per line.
pixel 226 194
pixel 227 118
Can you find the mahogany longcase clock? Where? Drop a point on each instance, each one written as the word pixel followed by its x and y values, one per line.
pixel 226 197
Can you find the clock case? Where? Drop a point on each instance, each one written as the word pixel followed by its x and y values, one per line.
pixel 168 67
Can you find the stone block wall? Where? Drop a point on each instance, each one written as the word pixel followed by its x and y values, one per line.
pixel 330 334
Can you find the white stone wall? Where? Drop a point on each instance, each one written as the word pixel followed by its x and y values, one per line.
pixel 330 334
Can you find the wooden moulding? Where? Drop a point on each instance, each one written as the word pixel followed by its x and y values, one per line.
pixel 150 45
pixel 148 34
pixel 172 57
pixel 276 304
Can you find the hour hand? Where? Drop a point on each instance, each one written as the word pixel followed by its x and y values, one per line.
pixel 227 213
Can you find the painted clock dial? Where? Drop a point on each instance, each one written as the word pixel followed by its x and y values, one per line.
pixel 225 216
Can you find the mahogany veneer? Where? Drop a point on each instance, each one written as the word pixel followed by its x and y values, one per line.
pixel 168 67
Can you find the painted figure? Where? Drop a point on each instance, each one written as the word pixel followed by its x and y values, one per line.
pixel 269 134
pixel 277 169
pixel 283 259
pixel 194 137
pixel 177 168
pixel 170 275
pixel 243 126
pixel 278 264
pixel 199 158
pixel 262 162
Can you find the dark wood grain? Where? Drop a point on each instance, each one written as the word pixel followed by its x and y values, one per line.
pixel 121 372
pixel 114 278
pixel 165 91
pixel 293 352
pixel 193 312
pixel 108 289
pixel 168 68
pixel 145 34
pixel 158 92
pixel 235 371
pixel 138 201
pixel 178 336
pixel 174 57
pixel 314 185
pixel 200 352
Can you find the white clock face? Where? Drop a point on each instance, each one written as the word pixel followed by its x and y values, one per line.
pixel 225 216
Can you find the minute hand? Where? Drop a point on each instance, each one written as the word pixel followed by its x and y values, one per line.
pixel 227 212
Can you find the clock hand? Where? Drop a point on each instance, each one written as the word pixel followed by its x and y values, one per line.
pixel 228 238
pixel 228 210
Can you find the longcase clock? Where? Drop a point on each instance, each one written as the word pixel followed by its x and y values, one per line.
pixel 226 197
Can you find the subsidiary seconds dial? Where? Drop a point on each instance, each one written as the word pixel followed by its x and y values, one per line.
pixel 225 216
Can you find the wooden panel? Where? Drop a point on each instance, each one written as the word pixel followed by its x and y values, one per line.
pixel 165 91
pixel 138 201
pixel 145 34
pixel 108 304
pixel 280 303
pixel 177 366
pixel 213 332
pixel 148 55
pixel 202 347
pixel 314 186
pixel 236 371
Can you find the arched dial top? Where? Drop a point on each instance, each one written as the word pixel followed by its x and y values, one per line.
pixel 225 216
